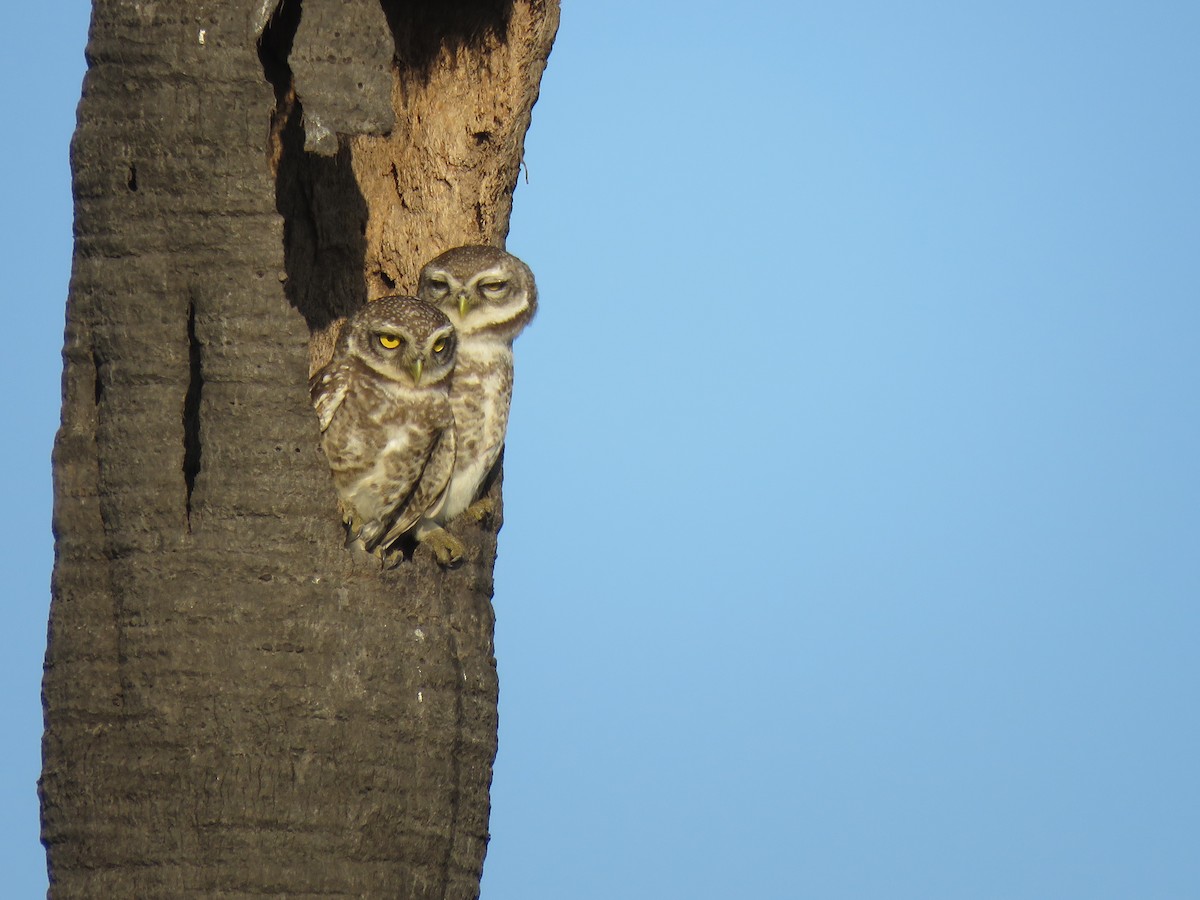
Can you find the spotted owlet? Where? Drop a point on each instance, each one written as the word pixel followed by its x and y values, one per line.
pixel 387 427
pixel 490 297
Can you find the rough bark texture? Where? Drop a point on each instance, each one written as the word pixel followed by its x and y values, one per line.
pixel 236 705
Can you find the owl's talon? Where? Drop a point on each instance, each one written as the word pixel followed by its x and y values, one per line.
pixel 390 557
pixel 447 549
pixel 355 530
pixel 480 510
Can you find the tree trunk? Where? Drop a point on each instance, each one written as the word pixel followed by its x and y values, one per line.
pixel 235 704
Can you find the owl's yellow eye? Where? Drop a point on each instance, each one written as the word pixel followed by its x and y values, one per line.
pixel 439 345
pixel 390 341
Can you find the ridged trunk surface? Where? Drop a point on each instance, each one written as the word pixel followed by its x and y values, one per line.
pixel 235 704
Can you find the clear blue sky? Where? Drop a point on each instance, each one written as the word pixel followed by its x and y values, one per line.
pixel 852 542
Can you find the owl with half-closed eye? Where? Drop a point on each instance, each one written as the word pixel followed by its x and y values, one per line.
pixel 490 296
pixel 387 427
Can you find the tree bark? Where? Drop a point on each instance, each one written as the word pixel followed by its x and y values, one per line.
pixel 235 704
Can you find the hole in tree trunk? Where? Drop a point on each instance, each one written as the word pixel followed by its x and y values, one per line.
pixel 421 29
pixel 191 413
pixel 97 381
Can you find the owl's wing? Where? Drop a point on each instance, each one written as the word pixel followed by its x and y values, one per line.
pixel 328 388
pixel 430 488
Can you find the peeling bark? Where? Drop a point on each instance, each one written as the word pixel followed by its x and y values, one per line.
pixel 234 703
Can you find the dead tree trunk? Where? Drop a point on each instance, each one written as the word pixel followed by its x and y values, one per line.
pixel 234 703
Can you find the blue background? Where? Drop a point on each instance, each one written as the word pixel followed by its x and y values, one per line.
pixel 852 542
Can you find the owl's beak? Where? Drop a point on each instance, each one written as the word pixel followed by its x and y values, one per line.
pixel 416 371
pixel 464 303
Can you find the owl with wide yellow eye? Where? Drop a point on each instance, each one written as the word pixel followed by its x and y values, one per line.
pixel 387 426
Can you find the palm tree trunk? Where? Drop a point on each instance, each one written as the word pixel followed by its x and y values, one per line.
pixel 235 703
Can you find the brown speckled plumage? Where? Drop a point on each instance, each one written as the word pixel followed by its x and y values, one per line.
pixel 490 296
pixel 386 420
